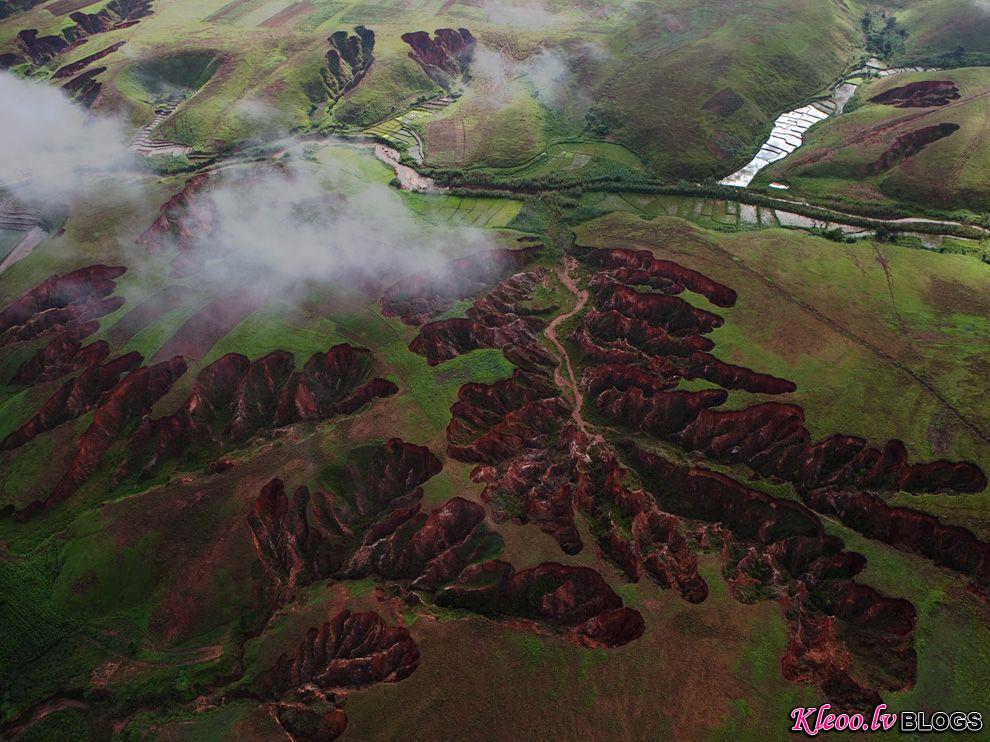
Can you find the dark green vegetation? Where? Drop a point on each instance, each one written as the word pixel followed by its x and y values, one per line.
pixel 169 592
pixel 884 37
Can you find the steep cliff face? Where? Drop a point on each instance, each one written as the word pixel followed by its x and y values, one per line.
pixel 639 339
pixel 79 65
pixel 446 57
pixel 635 534
pixel 85 88
pixel 348 60
pixel 909 530
pixel 845 638
pixel 645 343
pixel 352 650
pixel 641 268
pixel 40 49
pixel 313 536
pixel 116 14
pixel 371 523
pixel 185 222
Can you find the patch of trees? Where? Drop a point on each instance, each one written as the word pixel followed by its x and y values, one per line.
pixel 884 36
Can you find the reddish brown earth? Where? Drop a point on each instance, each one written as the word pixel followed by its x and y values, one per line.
pixel 115 15
pixel 371 524
pixel 846 638
pixel 148 312
pixel 40 49
pixel 65 354
pixel 640 267
pixel 309 722
pixel 349 652
pixel 182 218
pixel 127 403
pixel 633 387
pixel 234 399
pixel 536 464
pixel 85 88
pixel 417 298
pixel 574 598
pixel 79 65
pixel 60 303
pixel 649 515
pixel 348 60
pixel 924 94
pixel 75 397
pixel 635 535
pixel 909 144
pixel 185 222
pixel 211 324
pixel 312 536
pixel 428 549
pixel 445 57
pixel 909 530
pixel 498 320
pixel 352 650
pixel 771 439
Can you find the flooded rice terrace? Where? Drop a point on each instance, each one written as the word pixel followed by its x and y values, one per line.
pixel 790 127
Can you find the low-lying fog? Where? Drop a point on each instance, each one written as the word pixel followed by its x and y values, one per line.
pixel 283 226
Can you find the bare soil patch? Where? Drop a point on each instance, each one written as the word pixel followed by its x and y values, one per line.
pixel 288 15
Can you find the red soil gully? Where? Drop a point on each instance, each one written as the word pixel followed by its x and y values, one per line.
pixel 924 94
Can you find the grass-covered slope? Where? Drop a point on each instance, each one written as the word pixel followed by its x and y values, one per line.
pixel 692 87
pixel 932 151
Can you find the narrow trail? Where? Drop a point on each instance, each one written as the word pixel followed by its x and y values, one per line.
pixel 570 380
pixel 885 264
pixel 38 712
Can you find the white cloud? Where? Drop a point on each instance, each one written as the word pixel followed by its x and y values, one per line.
pixel 49 145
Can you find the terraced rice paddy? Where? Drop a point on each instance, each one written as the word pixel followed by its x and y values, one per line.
pixel 145 145
pixel 465 211
pixel 399 132
pixel 790 127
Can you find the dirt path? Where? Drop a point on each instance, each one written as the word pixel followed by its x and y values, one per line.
pixel 570 380
pixel 409 178
pixel 38 712
pixel 24 248
pixel 885 264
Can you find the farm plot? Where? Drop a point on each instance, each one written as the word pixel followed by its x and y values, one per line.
pixel 464 211
pixel 234 11
pixel 399 132
pixel 289 16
